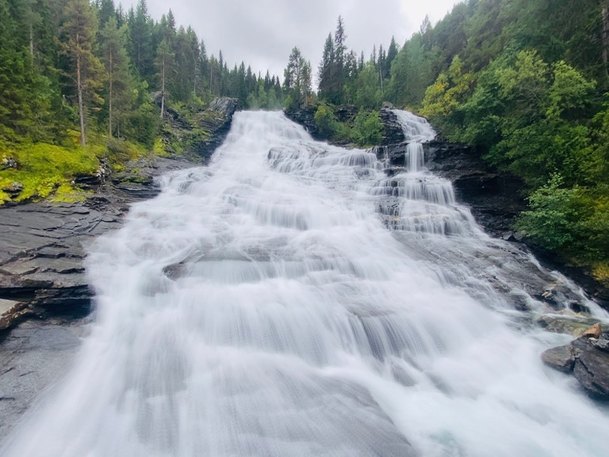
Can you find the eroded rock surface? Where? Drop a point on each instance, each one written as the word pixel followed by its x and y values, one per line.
pixel 43 245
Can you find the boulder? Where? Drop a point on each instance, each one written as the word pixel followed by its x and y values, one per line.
pixel 560 358
pixel 587 358
pixel 591 366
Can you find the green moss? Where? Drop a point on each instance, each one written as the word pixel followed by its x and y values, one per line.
pixel 601 272
pixel 66 193
pixel 159 148
pixel 46 170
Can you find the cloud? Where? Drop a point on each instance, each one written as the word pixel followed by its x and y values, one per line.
pixel 262 33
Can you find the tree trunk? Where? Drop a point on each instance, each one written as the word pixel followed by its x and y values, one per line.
pixel 32 44
pixel 111 84
pixel 194 85
pixel 163 89
pixel 79 90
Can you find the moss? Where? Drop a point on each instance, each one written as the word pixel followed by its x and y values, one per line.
pixel 159 148
pixel 45 170
pixel 601 272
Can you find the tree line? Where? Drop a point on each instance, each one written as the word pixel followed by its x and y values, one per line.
pixel 96 67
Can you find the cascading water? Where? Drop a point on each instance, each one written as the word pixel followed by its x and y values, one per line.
pixel 292 300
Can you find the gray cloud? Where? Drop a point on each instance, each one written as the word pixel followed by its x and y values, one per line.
pixel 263 32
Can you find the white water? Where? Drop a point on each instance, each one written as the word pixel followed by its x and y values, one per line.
pixel 290 300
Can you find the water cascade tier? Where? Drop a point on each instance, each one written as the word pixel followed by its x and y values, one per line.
pixel 293 299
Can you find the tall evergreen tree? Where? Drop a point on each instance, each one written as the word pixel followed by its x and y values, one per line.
pixel 326 68
pixel 119 82
pixel 78 40
pixel 297 79
pixel 141 40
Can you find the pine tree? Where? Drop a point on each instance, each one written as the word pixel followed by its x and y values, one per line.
pixel 141 40
pixel 164 63
pixel 78 40
pixel 119 81
pixel 326 68
pixel 297 79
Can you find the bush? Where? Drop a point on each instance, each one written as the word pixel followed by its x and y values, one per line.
pixel 552 221
pixel 367 128
pixel 326 121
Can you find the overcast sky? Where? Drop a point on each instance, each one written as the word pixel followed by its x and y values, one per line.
pixel 263 32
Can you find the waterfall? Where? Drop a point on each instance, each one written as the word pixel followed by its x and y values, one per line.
pixel 291 299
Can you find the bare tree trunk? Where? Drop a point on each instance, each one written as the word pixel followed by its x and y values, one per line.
pixel 79 90
pixel 163 89
pixel 110 89
pixel 32 44
pixel 194 85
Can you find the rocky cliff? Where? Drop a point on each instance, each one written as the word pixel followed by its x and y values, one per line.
pixel 43 245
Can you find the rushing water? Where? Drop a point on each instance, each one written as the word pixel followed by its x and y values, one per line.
pixel 292 300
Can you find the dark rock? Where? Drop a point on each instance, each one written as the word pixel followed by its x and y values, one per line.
pixel 560 358
pixel 33 357
pixel 392 130
pixel 305 116
pixel 587 359
pixel 13 189
pixel 224 106
pixel 8 162
pixel 345 113
pixel 216 120
pixel 592 367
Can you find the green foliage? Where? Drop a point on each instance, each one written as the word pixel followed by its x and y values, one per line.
pixel 573 221
pixel 444 98
pixel 367 128
pixel 297 80
pixel 326 121
pixel 553 216
pixel 365 89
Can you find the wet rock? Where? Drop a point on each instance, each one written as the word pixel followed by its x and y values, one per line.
pixel 567 325
pixel 587 358
pixel 591 367
pixel 34 356
pixel 392 130
pixel 305 116
pixel 560 358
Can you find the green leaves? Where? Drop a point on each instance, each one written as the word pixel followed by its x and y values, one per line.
pixel 551 221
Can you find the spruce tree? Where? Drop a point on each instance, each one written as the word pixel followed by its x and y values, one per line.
pixel 326 69
pixel 78 40
pixel 119 81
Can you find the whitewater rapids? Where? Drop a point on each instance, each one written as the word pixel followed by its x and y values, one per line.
pixel 292 300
